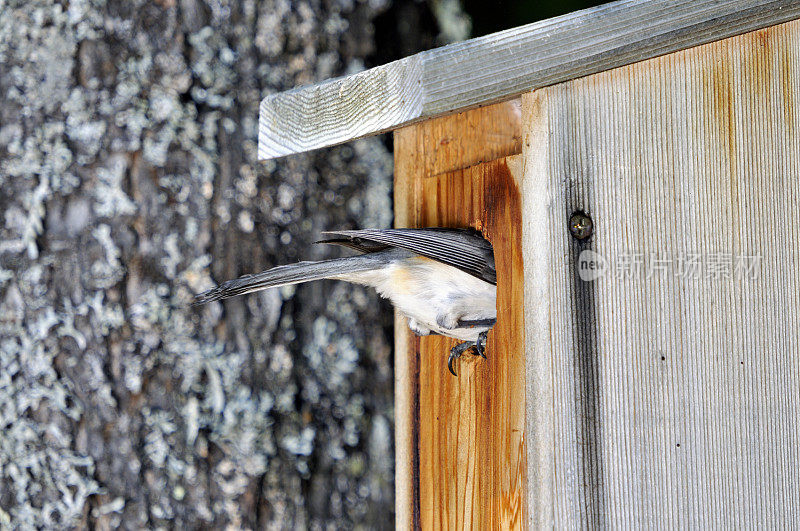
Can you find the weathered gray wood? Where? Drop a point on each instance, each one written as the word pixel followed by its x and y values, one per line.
pixel 654 399
pixel 501 66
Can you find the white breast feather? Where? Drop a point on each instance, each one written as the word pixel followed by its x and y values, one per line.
pixel 431 292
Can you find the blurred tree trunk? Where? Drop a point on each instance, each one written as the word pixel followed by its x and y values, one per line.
pixel 129 182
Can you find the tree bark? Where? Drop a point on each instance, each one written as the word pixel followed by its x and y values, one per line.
pixel 129 183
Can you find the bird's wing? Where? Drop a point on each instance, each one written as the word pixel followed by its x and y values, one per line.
pixel 357 244
pixel 464 249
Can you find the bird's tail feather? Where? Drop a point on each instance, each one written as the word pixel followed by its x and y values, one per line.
pixel 292 274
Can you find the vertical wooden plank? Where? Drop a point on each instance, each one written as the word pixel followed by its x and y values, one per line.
pixel 537 266
pixel 674 374
pixel 460 441
pixel 406 356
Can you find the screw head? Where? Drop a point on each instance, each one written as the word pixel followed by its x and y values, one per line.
pixel 580 225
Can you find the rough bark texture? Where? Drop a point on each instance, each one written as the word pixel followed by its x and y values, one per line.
pixel 129 182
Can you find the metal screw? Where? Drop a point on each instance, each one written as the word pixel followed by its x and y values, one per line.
pixel 580 225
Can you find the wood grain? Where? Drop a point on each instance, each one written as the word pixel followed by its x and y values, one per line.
pixel 460 443
pixel 463 139
pixel 674 400
pixel 500 67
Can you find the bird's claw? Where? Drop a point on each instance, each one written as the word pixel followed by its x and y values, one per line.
pixel 456 353
pixel 458 350
pixel 480 345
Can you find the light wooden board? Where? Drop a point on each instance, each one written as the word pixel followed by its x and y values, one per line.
pixel 459 440
pixel 657 400
pixel 501 66
pixel 463 139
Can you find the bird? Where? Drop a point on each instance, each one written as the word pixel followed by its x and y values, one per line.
pixel 443 280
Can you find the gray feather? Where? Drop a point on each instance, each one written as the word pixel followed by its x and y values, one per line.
pixel 294 274
pixel 465 249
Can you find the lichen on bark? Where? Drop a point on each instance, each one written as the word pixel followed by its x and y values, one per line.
pixel 129 182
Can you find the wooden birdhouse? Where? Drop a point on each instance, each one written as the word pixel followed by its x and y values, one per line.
pixel 636 167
